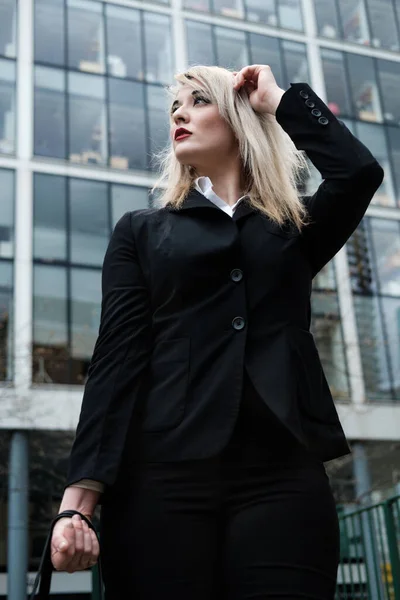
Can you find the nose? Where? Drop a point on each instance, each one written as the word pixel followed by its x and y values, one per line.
pixel 181 115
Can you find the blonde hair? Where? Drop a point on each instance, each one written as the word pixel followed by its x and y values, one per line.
pixel 272 165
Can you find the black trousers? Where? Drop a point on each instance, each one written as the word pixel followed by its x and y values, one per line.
pixel 258 521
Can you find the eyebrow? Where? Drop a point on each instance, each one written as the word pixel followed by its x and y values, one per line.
pixel 176 103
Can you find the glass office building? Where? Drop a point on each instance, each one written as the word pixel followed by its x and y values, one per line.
pixel 83 111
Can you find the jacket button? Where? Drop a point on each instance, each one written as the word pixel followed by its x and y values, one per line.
pixel 236 275
pixel 238 323
pixel 316 112
pixel 323 121
pixel 304 94
pixel 309 103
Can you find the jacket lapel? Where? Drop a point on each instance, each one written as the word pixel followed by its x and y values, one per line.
pixel 197 200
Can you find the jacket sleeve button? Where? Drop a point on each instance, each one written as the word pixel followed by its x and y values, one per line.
pixel 236 275
pixel 323 121
pixel 309 103
pixel 238 323
pixel 304 94
pixel 316 112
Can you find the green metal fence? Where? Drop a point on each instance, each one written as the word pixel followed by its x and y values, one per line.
pixel 369 566
pixel 369 552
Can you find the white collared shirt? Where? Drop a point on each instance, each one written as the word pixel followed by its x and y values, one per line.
pixel 205 187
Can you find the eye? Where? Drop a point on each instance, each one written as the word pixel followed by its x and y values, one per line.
pixel 198 99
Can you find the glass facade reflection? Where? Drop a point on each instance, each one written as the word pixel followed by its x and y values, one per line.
pixel 374 259
pixel 100 73
pixel 73 220
pixel 7 186
pixel 235 49
pixel 8 54
pixel 99 77
pixel 366 22
pixel 366 91
pixel 285 14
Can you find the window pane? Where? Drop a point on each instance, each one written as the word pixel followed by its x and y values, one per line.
pixel 295 60
pixel 158 49
pixel 49 31
pixel 373 136
pixel 327 18
pixel 354 21
pixel 50 217
pixel 90 230
pixel 391 316
pixel 85 36
pixel 127 125
pixel 85 313
pixel 231 48
pixel 125 198
pixel 7 214
pixel 290 16
pixel 262 11
pixel 50 332
pixel 265 50
pixel 158 103
pixel 197 4
pixel 325 280
pixel 124 42
pixel 394 143
pixel 327 331
pixel 6 320
pixel 200 43
pixel 7 107
pixel 386 240
pixel 373 348
pixel 87 119
pixel 383 24
pixel 360 259
pixel 389 75
pixel 229 8
pixel 50 117
pixel 364 87
pixel 335 83
pixel 8 28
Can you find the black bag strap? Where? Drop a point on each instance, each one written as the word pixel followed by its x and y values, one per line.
pixel 45 570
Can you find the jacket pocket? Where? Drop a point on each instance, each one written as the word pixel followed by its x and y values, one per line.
pixel 168 383
pixel 314 395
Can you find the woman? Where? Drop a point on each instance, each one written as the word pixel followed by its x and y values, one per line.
pixel 206 416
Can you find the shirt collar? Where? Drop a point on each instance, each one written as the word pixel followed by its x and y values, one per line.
pixel 205 187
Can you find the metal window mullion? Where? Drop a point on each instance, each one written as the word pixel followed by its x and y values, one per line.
pixel 23 267
pixel 313 52
pixel 68 277
pixel 178 37
pixel 66 84
pixel 107 86
pixel 144 86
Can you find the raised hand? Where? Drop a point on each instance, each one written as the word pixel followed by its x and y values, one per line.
pixel 260 84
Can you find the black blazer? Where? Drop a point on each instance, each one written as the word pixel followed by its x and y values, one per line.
pixel 191 297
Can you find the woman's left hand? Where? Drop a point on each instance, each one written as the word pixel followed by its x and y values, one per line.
pixel 260 84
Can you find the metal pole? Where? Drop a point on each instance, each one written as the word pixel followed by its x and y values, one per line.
pixel 18 517
pixel 363 491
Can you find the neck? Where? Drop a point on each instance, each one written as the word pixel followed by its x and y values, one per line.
pixel 227 183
